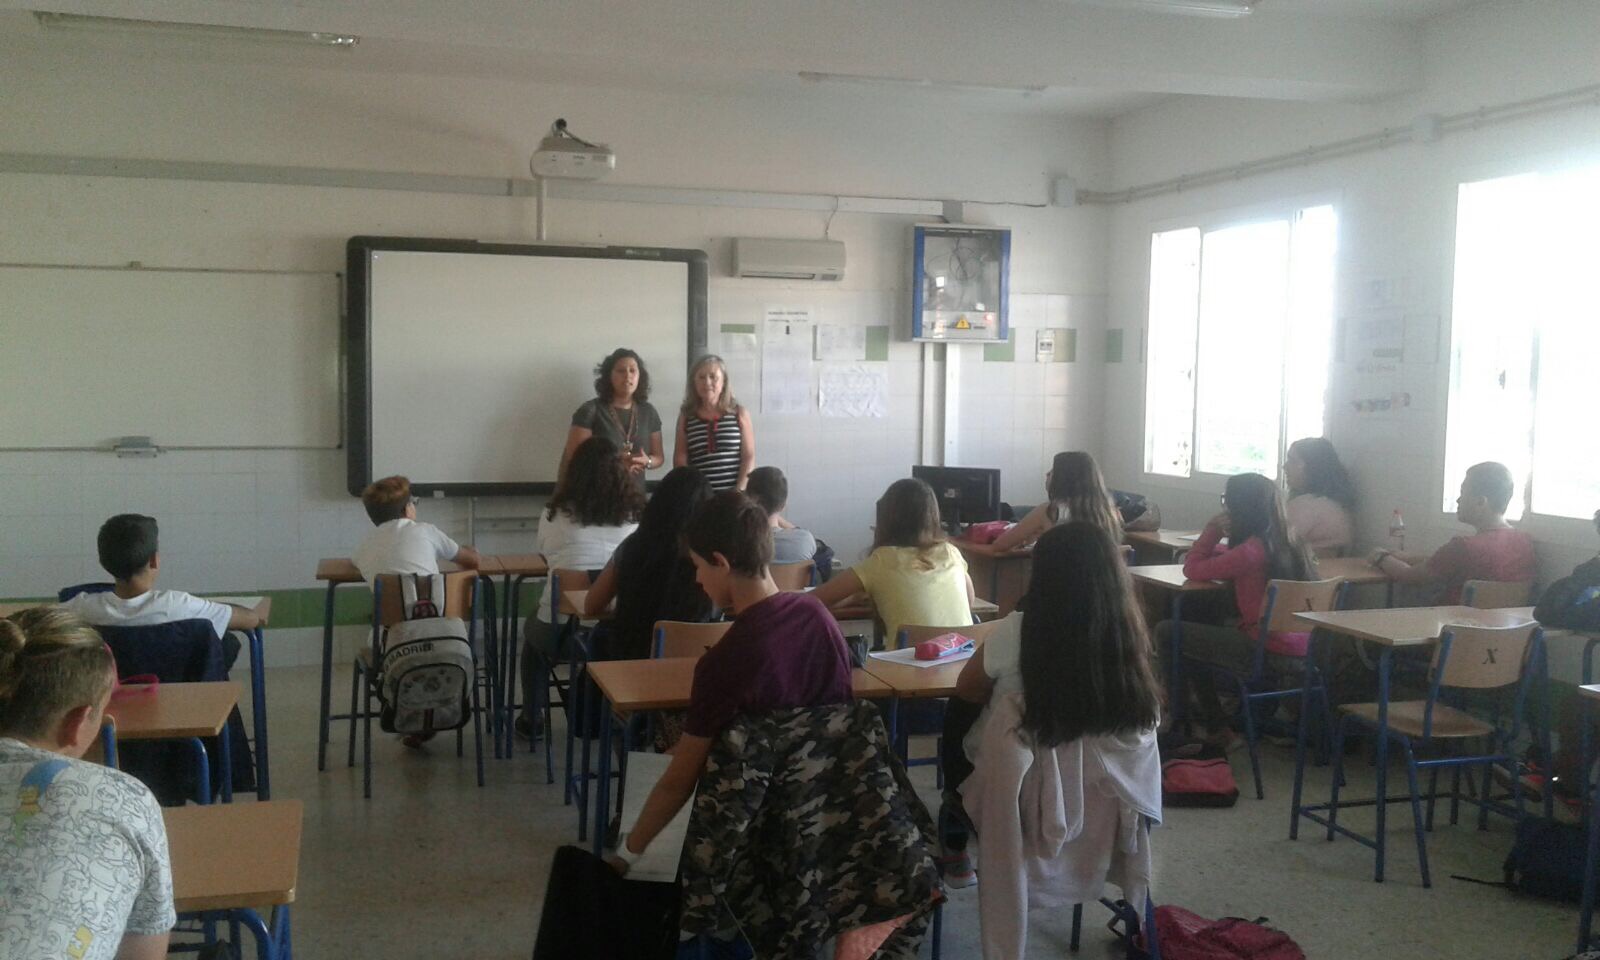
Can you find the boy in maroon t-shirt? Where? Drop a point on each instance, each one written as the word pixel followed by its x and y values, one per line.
pixel 783 650
pixel 1494 552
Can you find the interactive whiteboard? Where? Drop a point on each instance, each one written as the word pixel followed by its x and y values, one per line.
pixel 467 360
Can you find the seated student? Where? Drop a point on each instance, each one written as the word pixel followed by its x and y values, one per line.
pixel 1322 497
pixel 1067 748
pixel 86 870
pixel 129 549
pixel 1495 551
pixel 402 543
pixel 913 574
pixel 594 508
pixel 770 488
pixel 783 650
pixel 1076 491
pixel 650 575
pixel 1261 548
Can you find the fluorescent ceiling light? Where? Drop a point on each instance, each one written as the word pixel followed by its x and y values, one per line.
pixel 812 76
pixel 1197 8
pixel 79 23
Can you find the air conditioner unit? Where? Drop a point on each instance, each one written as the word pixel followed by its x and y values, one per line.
pixel 788 259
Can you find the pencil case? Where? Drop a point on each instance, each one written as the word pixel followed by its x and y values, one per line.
pixel 940 647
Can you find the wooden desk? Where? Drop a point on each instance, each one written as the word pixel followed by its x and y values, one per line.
pixel 636 686
pixel 1388 630
pixel 183 711
pixel 1167 543
pixel 518 564
pixel 1170 577
pixel 916 683
pixel 1355 570
pixel 234 859
pixel 7 609
pixel 998 576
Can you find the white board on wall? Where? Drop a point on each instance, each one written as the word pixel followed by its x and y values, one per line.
pixel 478 360
pixel 190 358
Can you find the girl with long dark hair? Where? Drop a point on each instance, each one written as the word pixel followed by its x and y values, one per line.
pixel 1322 497
pixel 1076 491
pixel 1261 547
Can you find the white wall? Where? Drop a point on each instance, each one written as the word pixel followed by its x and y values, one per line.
pixel 249 520
pixel 1397 213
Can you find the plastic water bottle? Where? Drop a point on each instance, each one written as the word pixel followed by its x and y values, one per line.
pixel 1397 529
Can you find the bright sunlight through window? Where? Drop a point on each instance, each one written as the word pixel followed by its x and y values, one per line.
pixel 1525 334
pixel 1241 325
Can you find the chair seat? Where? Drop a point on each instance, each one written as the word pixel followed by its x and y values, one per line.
pixel 1405 717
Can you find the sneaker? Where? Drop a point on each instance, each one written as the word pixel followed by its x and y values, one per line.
pixel 528 729
pixel 416 740
pixel 957 871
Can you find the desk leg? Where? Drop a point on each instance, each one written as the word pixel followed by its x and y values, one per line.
pixel 1385 661
pixel 491 656
pixel 1300 736
pixel 1585 717
pixel 894 724
pixel 225 762
pixel 1586 912
pixel 202 769
pixel 327 677
pixel 258 713
pixel 1175 654
pixel 602 791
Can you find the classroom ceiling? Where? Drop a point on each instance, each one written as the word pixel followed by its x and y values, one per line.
pixel 1067 57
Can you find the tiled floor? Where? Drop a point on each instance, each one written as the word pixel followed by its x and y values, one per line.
pixel 433 867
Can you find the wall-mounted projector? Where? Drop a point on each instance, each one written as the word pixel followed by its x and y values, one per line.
pixel 565 156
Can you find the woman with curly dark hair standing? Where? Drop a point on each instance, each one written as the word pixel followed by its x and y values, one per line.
pixel 621 413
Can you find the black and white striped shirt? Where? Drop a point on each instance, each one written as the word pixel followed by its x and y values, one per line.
pixel 714 448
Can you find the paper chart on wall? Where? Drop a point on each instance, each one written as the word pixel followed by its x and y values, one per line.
pixel 1377 349
pixel 786 360
pixel 740 350
pixel 854 390
pixel 838 341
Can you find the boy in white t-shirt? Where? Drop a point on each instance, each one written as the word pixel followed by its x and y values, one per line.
pixel 129 550
pixel 402 544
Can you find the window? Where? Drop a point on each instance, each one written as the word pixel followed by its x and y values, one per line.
pixel 1525 335
pixel 1241 325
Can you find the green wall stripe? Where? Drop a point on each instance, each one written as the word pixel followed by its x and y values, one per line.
pixel 877 342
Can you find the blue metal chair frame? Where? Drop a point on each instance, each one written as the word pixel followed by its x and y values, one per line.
pixel 273 941
pixel 509 679
pixel 361 679
pixel 1502 738
pixel 1250 694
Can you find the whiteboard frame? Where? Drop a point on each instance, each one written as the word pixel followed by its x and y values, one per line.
pixel 358 342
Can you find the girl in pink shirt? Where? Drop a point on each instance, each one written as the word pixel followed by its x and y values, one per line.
pixel 1262 548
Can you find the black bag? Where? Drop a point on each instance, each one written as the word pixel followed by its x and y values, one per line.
pixel 585 900
pixel 1547 859
pixel 1137 513
pixel 1573 602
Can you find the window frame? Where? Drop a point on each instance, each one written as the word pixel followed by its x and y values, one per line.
pixel 1559 531
pixel 1282 208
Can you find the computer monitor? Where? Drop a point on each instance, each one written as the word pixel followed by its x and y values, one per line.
pixel 966 494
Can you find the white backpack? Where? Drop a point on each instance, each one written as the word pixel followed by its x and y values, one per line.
pixel 427 664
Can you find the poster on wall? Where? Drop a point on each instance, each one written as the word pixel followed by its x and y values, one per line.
pixel 786 344
pixel 960 283
pixel 1376 350
pixel 854 390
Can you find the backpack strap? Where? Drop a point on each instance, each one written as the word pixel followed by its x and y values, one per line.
pixel 418 605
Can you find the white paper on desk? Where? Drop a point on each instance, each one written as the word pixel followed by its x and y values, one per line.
pixel 659 862
pixel 854 390
pixel 908 656
pixel 249 603
pixel 786 360
pixel 839 341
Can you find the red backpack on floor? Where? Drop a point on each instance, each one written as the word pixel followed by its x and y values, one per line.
pixel 1185 935
pixel 1198 783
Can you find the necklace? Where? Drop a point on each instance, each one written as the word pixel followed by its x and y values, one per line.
pixel 627 432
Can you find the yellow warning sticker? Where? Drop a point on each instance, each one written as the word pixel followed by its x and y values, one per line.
pixel 962 323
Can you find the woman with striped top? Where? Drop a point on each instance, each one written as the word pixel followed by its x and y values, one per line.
pixel 714 432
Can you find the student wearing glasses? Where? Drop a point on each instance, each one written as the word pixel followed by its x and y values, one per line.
pixel 402 543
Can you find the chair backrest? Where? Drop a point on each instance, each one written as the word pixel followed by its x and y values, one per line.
pixel 67 593
pixel 458 596
pixel 1128 554
pixel 910 635
pixel 1482 658
pixel 793 576
pixel 1285 598
pixel 679 638
pixel 1496 594
pixel 565 580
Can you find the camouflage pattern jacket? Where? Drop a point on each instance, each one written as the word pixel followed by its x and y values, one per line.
pixel 805 826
